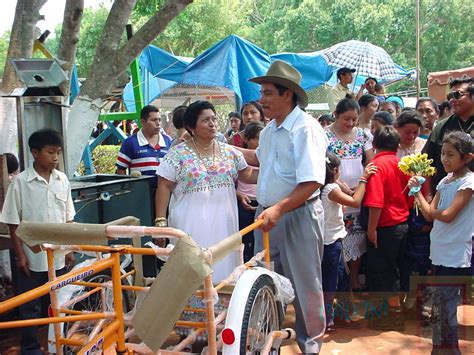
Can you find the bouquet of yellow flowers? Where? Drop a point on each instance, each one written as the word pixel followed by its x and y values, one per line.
pixel 417 165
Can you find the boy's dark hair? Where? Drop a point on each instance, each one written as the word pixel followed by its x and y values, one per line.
pixel 252 129
pixel 407 117
pixel 462 141
pixel 178 116
pixel 366 99
pixel 46 136
pixel 12 163
pixel 332 162
pixel 145 112
pixel 386 138
pixel 193 111
pixel 346 104
pixel 378 87
pixel 370 78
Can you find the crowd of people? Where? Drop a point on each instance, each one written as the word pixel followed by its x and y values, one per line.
pixel 342 224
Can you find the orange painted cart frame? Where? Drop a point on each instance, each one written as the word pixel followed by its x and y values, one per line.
pixel 114 332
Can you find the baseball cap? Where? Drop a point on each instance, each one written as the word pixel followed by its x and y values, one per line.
pixel 344 71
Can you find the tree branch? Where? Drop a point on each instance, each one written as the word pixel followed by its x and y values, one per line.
pixel 21 38
pixel 110 61
pixel 149 31
pixel 70 37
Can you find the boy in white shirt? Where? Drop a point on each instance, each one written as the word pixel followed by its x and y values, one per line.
pixel 40 194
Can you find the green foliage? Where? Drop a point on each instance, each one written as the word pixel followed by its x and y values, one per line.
pixel 4 39
pixel 103 159
pixel 93 21
pixel 198 27
pixel 447 39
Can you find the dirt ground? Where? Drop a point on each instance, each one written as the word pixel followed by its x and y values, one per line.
pixel 413 341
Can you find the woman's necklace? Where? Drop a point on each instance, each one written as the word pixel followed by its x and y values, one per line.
pixel 205 148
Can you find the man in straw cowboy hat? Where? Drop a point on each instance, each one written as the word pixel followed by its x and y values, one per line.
pixel 291 156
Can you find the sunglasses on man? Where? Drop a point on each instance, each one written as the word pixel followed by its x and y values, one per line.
pixel 456 95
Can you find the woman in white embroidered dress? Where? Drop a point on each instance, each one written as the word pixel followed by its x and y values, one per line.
pixel 197 178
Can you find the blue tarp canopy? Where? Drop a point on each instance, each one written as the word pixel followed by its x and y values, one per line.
pixel 229 63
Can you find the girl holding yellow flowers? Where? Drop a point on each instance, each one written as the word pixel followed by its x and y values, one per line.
pixel 416 248
pixel 451 210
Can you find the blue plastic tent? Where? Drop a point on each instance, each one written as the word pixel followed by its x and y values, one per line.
pixel 229 63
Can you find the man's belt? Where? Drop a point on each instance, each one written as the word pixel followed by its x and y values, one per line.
pixel 312 199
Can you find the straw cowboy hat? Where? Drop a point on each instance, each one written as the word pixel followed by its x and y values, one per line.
pixel 284 74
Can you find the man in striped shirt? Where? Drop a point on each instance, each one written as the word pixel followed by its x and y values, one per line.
pixel 142 151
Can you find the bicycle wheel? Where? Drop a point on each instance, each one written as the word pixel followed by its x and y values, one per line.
pixel 261 316
pixel 94 303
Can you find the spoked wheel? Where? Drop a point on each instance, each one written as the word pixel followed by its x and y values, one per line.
pixel 261 316
pixel 97 302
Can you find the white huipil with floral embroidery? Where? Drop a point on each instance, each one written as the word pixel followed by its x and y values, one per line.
pixel 203 202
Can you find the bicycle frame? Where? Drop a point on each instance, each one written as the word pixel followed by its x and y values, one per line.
pixel 114 332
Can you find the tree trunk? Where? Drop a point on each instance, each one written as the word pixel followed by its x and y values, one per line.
pixel 109 62
pixel 22 38
pixel 70 37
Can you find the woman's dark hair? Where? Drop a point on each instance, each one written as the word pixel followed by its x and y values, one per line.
pixel 386 138
pixel 382 103
pixel 366 99
pixel 407 117
pixel 332 162
pixel 443 106
pixel 193 111
pixel 46 136
pixel 252 130
pixel 432 101
pixel 257 105
pixel 345 105
pixel 178 116
pixel 462 141
pixel 12 163
pixel 239 116
pixel 234 114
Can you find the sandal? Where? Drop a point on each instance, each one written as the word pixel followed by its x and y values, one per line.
pixel 330 329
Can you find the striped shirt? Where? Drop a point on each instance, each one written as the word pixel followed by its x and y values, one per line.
pixel 136 154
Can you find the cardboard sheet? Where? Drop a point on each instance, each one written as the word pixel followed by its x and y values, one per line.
pixel 182 275
pixel 34 233
pixel 225 246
